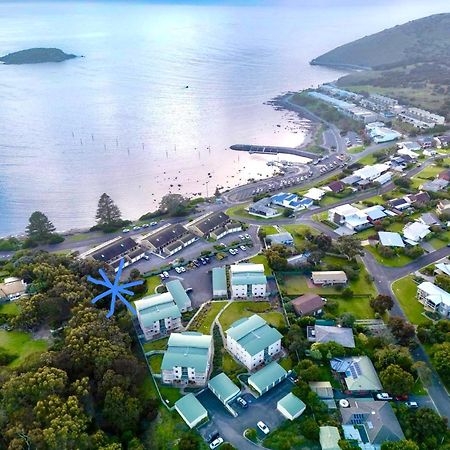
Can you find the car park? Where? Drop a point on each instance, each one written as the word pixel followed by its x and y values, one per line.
pixel 263 427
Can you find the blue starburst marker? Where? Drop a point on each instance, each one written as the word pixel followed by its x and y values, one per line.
pixel 115 289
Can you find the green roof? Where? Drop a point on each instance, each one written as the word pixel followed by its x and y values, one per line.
pixel 155 307
pixel 329 438
pixel 248 278
pixel 292 404
pixel 188 349
pixel 267 376
pixel 190 409
pixel 219 279
pixel 223 387
pixel 253 334
pixel 178 293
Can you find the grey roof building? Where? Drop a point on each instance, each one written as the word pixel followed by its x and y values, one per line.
pixel 357 373
pixel 323 334
pixel 376 420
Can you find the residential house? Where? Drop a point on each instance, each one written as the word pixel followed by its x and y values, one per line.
pixel 253 342
pixel 357 373
pixel 291 406
pixel 443 207
pixel 308 304
pixel 323 334
pixel 351 180
pixel 191 410
pixel 370 421
pixel 381 134
pixel 412 146
pixel 268 377
pixel 315 194
pixel 442 268
pixel 426 142
pixel 283 238
pixel 429 219
pixel 399 203
pixel 421 118
pixel 168 239
pixel 213 225
pixel 421 198
pixel 12 288
pixel 414 232
pixel 187 360
pixel 261 208
pixel 219 282
pixel 375 213
pixel 434 298
pixel 371 172
pixel 247 281
pixel 113 251
pixel 444 175
pixel 350 217
pixel 442 141
pixel 287 200
pixel 390 239
pixel 329 277
pixel 336 186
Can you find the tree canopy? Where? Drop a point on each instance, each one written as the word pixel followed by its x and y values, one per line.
pixel 108 213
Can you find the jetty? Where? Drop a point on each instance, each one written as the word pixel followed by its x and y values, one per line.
pixel 273 150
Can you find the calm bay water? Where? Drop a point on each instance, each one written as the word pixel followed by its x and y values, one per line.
pixel 121 120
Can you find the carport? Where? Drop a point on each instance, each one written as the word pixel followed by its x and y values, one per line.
pixel 223 388
pixel 268 377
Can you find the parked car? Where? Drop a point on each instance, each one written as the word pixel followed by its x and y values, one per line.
pixel 126 230
pixel 247 236
pixel 161 275
pixel 213 436
pixel 153 224
pixel 147 257
pixel 145 225
pixel 196 263
pixel 242 402
pixel 136 227
pixel 231 251
pixel 383 396
pixel 177 270
pixel 412 405
pixel 183 269
pixel 263 427
pixel 166 274
pixel 401 398
pixel 241 236
pixel 243 247
pixel 216 443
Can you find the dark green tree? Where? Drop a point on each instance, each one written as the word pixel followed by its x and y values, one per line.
pixel 382 303
pixel 108 213
pixel 400 445
pixel 39 228
pixel 396 380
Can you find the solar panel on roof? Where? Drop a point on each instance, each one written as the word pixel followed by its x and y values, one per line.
pixel 358 369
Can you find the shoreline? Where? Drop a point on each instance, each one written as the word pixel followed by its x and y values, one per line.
pixel 278 103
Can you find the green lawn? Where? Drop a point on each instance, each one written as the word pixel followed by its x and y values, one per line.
pixel 83 236
pixel 441 240
pixel 358 306
pixel 357 149
pixel 206 317
pixel 21 344
pixel 239 212
pixel 155 362
pixel 427 173
pixel 10 308
pixel 269 229
pixel 152 283
pixel 160 344
pixel 286 363
pixel 298 232
pixel 238 310
pixel 231 367
pixel 368 160
pixel 170 393
pixel 396 261
pixel 261 259
pixel 405 290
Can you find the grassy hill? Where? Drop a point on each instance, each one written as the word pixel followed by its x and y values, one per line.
pixel 410 62
pixel 421 40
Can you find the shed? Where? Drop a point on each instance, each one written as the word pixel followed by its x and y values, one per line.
pixel 268 377
pixel 223 388
pixel 191 410
pixel 329 438
pixel 291 406
pixel 219 282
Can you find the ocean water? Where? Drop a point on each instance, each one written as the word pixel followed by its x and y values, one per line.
pixel 121 120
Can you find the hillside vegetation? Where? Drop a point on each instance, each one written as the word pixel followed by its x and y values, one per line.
pixel 410 62
pixel 421 40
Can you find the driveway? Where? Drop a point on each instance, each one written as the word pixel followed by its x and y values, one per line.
pixel 232 428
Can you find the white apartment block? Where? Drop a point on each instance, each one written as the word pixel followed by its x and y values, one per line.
pixel 187 360
pixel 248 281
pixel 253 342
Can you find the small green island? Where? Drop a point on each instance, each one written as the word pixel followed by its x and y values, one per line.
pixel 36 56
